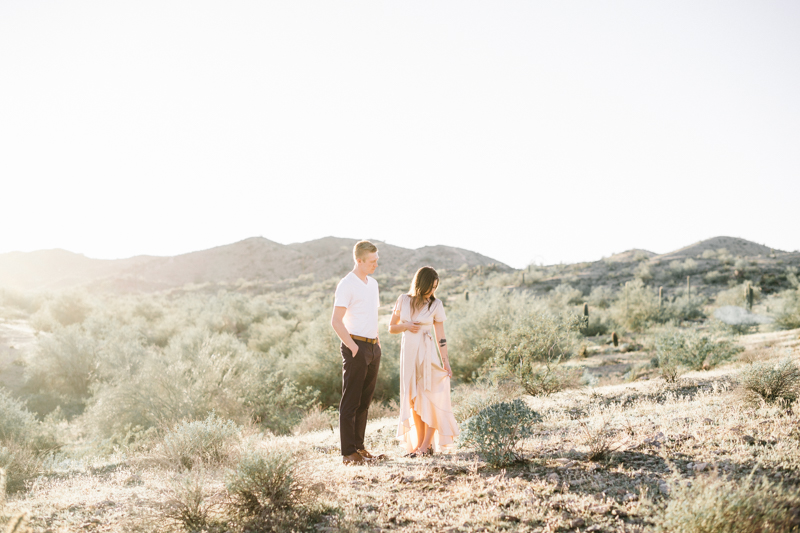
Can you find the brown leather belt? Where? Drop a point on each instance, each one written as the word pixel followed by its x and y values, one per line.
pixel 364 339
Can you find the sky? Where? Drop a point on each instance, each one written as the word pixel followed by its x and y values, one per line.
pixel 530 132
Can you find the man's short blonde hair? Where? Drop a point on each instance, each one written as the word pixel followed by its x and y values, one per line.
pixel 362 248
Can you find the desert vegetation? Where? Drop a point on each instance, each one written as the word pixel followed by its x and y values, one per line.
pixel 607 396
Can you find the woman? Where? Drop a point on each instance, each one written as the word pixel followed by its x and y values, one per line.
pixel 424 382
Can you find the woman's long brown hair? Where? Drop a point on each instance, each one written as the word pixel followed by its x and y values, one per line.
pixel 423 282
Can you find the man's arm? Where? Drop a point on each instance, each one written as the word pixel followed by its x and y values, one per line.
pixel 341 331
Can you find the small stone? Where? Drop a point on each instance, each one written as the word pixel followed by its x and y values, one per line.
pixel 700 467
pixel 707 421
pixel 595 527
pixel 748 439
pixel 553 478
pixel 578 522
pixel 689 466
pixel 563 460
pixel 318 488
pixel 630 497
pixel 663 488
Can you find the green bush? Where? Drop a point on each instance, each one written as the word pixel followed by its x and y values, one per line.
pixel 771 381
pixel 471 398
pixel 532 347
pixel 188 501
pixel 21 462
pixel 601 297
pixel 692 350
pixel 264 481
pixel 16 422
pixel 201 442
pixel 685 307
pixel 636 306
pixel 278 404
pixel 711 504
pixel 666 346
pixel 788 313
pixel 496 431
pixel 469 323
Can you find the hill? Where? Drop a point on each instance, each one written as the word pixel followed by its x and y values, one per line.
pixel 255 258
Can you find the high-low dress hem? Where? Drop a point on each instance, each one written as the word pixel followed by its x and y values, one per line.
pixel 423 381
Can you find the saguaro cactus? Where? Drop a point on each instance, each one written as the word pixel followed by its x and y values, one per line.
pixel 466 295
pixel 660 295
pixel 586 315
pixel 748 294
pixel 688 285
pixel 615 338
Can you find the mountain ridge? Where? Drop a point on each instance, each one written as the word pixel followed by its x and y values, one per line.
pixel 258 258
pixel 254 258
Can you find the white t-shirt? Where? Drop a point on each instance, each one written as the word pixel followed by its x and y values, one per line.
pixel 362 302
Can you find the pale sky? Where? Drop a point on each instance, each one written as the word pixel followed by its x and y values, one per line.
pixel 526 131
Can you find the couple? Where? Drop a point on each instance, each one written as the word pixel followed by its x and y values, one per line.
pixel 424 383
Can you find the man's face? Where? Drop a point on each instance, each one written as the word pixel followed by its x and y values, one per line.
pixel 369 263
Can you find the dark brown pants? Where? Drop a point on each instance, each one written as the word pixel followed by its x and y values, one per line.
pixel 359 375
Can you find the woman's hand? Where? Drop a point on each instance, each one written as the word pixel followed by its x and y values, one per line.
pixel 413 327
pixel 448 370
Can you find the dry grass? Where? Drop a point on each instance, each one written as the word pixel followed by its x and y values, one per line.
pixel 654 438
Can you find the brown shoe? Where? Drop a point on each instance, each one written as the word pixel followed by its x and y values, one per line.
pixel 353 459
pixel 368 456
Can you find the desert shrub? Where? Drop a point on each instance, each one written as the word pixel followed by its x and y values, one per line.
pixel 278 404
pixel 599 323
pixel 736 295
pixel 636 306
pixel 788 314
pixel 16 422
pixel 685 307
pixel 565 296
pixel 532 347
pixel 64 365
pixel 21 463
pixel 496 431
pixel 471 398
pixel 65 309
pixel 264 481
pixel 318 419
pixel 771 381
pixel 715 276
pixel 197 373
pixel 200 442
pixel 598 439
pixel 676 348
pixel 711 504
pixel 601 297
pixel 470 322
pixel 188 500
pixel 644 272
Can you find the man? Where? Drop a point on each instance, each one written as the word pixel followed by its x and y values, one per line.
pixel 355 320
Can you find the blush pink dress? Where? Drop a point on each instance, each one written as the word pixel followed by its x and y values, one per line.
pixel 424 384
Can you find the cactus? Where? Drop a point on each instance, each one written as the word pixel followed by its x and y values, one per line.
pixel 466 295
pixel 586 316
pixel 615 338
pixel 688 285
pixel 523 278
pixel 660 296
pixel 748 293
